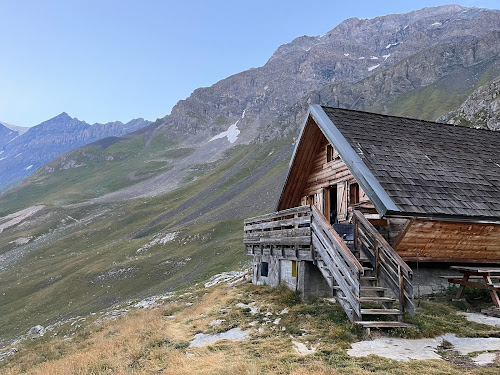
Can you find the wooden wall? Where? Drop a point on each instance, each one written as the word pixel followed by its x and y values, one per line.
pixel 445 241
pixel 332 174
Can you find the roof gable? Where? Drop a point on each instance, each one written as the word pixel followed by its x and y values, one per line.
pixel 413 167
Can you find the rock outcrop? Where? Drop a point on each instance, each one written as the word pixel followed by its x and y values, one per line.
pixel 481 109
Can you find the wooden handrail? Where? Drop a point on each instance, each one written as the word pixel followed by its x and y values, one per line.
pixel 340 263
pixel 353 262
pixel 366 223
pixel 389 266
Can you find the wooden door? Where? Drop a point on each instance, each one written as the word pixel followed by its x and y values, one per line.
pixel 342 201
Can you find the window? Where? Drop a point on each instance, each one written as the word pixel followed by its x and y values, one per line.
pixel 294 268
pixel 264 269
pixel 331 153
pixel 354 194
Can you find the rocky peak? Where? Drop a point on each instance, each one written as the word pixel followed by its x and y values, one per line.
pixel 352 51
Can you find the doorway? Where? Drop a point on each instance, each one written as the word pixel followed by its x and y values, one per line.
pixel 330 204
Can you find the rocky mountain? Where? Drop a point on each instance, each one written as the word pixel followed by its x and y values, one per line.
pixel 350 52
pixel 480 110
pixel 22 152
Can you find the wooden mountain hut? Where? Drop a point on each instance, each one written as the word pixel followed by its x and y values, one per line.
pixel 367 197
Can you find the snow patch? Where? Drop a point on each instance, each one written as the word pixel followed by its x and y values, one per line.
pixel 386 56
pixel 346 54
pixel 436 24
pixel 373 67
pixel 361 58
pixel 373 58
pixel 392 44
pixel 231 133
pixel 5 157
pixel 243 114
pixel 28 167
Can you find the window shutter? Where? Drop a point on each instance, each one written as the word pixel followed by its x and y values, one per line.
pixel 362 196
pixel 342 201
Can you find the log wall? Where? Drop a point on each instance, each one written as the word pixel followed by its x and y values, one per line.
pixel 446 241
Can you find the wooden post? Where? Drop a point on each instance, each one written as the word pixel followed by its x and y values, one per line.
pixel 357 249
pixel 377 262
pixel 401 289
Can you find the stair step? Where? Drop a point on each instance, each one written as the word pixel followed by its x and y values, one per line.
pixel 369 278
pixel 373 289
pixel 380 312
pixel 376 299
pixel 368 268
pixel 375 324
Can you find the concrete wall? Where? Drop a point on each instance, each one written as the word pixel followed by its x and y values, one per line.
pixel 286 274
pixel 273 276
pixel 309 281
pixel 426 279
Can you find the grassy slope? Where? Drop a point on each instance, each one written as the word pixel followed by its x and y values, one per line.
pixel 447 94
pixel 157 340
pixel 69 273
pixel 105 170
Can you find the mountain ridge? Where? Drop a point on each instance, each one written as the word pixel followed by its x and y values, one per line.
pixel 23 153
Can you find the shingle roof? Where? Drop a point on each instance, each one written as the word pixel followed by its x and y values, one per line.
pixel 427 168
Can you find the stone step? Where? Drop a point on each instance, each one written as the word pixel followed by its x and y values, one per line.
pixel 381 312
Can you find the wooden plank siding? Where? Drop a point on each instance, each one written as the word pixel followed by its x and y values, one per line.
pixel 311 174
pixel 446 241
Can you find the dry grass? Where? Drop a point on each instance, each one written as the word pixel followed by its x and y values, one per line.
pixel 152 341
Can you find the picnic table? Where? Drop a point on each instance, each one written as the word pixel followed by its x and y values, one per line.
pixel 477 277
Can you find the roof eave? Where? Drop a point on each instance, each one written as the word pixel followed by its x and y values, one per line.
pixel 370 185
pixel 444 217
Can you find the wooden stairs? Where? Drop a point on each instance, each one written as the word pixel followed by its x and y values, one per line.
pixel 357 282
pixel 371 282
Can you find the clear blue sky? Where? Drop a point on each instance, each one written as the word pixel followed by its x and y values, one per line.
pixel 106 60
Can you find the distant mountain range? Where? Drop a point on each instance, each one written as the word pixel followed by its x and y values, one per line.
pixel 23 150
